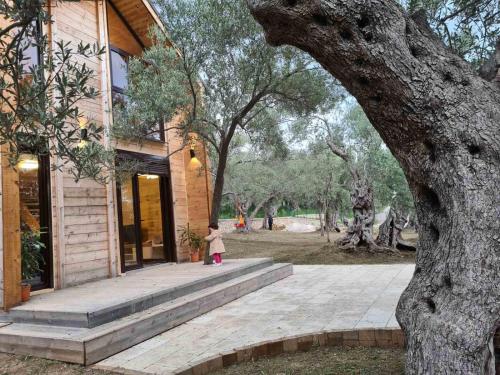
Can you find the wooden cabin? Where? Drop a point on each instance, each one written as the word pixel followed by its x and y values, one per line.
pixel 92 231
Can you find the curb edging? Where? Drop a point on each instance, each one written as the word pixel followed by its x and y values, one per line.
pixel 379 338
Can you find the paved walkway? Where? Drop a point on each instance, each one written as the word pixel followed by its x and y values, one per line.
pixel 315 298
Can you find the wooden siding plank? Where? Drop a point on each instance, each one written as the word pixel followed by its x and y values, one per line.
pixel 86 219
pixel 75 239
pixel 86 257
pixel 84 211
pixel 85 229
pixel 84 202
pixel 11 235
pixel 79 192
pixel 86 247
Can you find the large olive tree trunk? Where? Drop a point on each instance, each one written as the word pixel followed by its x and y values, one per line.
pixel 442 122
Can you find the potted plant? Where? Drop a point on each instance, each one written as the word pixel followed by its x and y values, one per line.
pixel 31 260
pixel 193 241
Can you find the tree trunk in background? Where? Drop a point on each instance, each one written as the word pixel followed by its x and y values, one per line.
pixel 442 123
pixel 389 233
pixel 331 219
pixel 360 230
pixel 321 222
pixel 218 190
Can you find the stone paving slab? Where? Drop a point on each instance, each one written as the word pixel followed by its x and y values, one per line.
pixel 314 299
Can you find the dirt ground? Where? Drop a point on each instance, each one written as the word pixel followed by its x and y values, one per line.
pixel 306 248
pixel 25 365
pixel 326 361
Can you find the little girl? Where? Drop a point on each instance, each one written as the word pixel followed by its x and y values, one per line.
pixel 216 245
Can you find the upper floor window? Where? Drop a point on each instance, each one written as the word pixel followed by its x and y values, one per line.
pixel 119 70
pixel 30 51
pixel 119 84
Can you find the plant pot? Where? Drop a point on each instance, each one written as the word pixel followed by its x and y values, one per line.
pixel 25 292
pixel 195 257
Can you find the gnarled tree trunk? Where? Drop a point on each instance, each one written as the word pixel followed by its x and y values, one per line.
pixel 360 231
pixel 442 123
pixel 389 233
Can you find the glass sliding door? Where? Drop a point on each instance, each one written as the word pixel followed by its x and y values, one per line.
pixel 34 194
pixel 129 238
pixel 144 216
pixel 152 234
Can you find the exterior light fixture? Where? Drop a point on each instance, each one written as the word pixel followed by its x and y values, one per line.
pixel 28 163
pixel 84 132
pixel 192 143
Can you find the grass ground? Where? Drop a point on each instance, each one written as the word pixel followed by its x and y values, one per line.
pixel 306 248
pixel 326 361
pixel 24 365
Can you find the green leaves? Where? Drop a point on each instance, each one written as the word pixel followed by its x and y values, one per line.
pixel 157 91
pixel 469 27
pixel 42 93
pixel 247 86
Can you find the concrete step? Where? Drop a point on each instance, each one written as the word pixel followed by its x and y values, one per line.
pixel 90 318
pixel 89 345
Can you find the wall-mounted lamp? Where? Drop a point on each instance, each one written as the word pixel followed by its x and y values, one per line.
pixel 193 143
pixel 84 132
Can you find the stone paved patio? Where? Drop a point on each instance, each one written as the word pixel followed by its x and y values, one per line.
pixel 315 298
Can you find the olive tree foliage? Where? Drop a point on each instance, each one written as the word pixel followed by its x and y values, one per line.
pixel 376 161
pixel 311 178
pixel 321 182
pixel 469 27
pixel 254 184
pixel 238 84
pixel 157 91
pixel 342 127
pixel 40 100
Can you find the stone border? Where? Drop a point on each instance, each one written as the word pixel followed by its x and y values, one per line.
pixel 380 338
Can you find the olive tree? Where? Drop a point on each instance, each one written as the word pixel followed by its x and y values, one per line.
pixel 238 84
pixel 441 120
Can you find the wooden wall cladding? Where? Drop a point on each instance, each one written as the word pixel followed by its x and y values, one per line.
pixel 11 235
pixel 198 187
pixel 82 219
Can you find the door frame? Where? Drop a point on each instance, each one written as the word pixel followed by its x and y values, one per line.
pixel 45 206
pixel 149 164
pixel 46 214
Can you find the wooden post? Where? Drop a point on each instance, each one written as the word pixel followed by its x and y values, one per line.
pixel 106 100
pixel 1 235
pixel 11 235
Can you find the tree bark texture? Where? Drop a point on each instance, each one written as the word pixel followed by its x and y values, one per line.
pixel 442 123
pixel 389 233
pixel 331 219
pixel 360 231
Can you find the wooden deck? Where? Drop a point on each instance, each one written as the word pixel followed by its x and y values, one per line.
pixel 87 323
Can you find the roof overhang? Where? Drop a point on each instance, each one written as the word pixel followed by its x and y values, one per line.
pixel 140 16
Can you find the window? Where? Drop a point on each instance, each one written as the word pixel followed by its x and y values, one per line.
pixel 119 83
pixel 30 51
pixel 119 70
